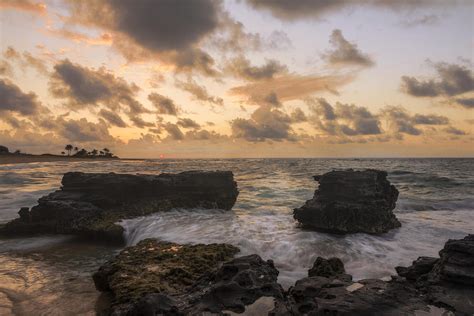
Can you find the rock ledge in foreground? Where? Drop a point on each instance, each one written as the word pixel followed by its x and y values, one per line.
pixel 351 201
pixel 89 204
pixel 155 278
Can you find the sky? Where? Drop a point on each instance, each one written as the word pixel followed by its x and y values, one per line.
pixel 235 79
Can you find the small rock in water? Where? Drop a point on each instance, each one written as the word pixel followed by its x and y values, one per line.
pixel 351 202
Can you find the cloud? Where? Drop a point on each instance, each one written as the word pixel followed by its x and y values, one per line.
pixel 454 131
pixel 164 105
pixel 173 131
pixel 345 52
pixel 266 123
pixel 400 121
pixel 298 116
pixel 452 80
pixel 241 68
pixel 304 9
pixel 6 69
pixel 199 92
pixel 26 60
pixel 343 119
pixel 82 130
pixel 292 86
pixel 430 119
pixel 14 100
pixel 169 31
pixel 88 87
pixel 427 19
pixel 468 103
pixel 188 123
pixel 112 118
pixel 24 5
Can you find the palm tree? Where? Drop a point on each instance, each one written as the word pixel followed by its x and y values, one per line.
pixel 68 149
pixel 76 149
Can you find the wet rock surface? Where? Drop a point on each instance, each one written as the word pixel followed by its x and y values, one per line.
pixel 446 281
pixel 156 278
pixel 351 201
pixel 89 204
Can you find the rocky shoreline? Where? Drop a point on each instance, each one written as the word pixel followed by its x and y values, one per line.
pixel 89 205
pixel 162 278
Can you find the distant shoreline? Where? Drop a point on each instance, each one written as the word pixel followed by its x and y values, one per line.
pixel 16 159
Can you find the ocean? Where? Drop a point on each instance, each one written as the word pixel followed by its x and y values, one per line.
pixel 51 275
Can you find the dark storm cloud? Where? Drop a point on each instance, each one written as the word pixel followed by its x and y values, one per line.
pixel 343 119
pixel 242 68
pixel 165 24
pixel 14 100
pixel 452 80
pixel 164 105
pixel 468 103
pixel 430 119
pixel 168 30
pixel 188 123
pixel 296 9
pixel 112 118
pixel 198 92
pixel 266 123
pixel 155 25
pixel 345 52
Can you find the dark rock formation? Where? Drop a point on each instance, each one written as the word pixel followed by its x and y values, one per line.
pixel 4 150
pixel 155 278
pixel 350 202
pixel 419 267
pixel 449 280
pixel 160 277
pixel 328 268
pixel 89 204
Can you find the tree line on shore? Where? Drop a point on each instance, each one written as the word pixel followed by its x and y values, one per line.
pixel 69 151
pixel 74 151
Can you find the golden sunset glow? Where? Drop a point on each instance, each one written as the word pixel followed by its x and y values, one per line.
pixel 251 78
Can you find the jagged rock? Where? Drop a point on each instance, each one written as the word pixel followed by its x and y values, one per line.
pixel 350 202
pixel 90 204
pixel 159 277
pixel 456 262
pixel 332 267
pixel 419 267
pixel 447 281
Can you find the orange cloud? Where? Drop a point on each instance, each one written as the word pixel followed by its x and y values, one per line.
pixel 24 5
pixel 292 86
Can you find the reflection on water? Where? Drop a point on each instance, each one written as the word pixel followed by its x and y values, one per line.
pixel 51 275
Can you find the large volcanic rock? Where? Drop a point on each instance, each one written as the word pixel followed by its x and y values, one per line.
pixel 154 278
pixel 350 202
pixel 89 204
